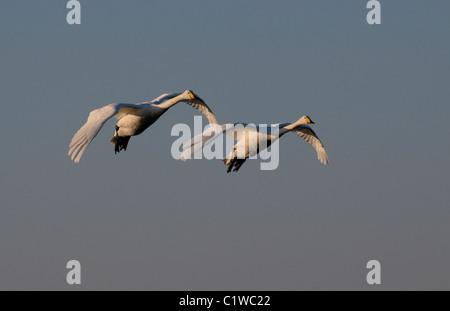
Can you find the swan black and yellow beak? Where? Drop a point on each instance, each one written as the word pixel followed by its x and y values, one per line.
pixel 195 97
pixel 308 119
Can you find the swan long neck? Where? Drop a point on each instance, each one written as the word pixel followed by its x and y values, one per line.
pixel 291 127
pixel 283 131
pixel 171 102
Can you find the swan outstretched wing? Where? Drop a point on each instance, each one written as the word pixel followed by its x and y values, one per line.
pixel 201 140
pixel 95 122
pixel 201 106
pixel 310 137
pixel 237 131
pixel 98 118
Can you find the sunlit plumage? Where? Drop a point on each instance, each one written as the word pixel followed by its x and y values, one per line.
pixel 133 120
pixel 248 140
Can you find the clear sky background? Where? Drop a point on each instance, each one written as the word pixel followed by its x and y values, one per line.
pixel 140 220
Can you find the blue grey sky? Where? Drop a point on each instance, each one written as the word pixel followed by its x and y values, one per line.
pixel 141 220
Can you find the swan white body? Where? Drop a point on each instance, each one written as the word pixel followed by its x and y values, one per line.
pixel 253 139
pixel 133 120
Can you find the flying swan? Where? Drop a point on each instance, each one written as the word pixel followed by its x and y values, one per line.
pixel 133 120
pixel 249 137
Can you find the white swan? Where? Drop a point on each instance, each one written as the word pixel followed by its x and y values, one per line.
pixel 133 120
pixel 249 137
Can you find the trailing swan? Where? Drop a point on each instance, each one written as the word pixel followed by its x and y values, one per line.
pixel 250 140
pixel 133 120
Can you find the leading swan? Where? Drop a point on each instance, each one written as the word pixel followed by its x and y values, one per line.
pixel 133 120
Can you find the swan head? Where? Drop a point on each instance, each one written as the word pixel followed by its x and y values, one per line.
pixel 305 120
pixel 189 95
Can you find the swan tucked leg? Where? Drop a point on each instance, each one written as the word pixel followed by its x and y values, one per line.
pixel 121 143
pixel 234 163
